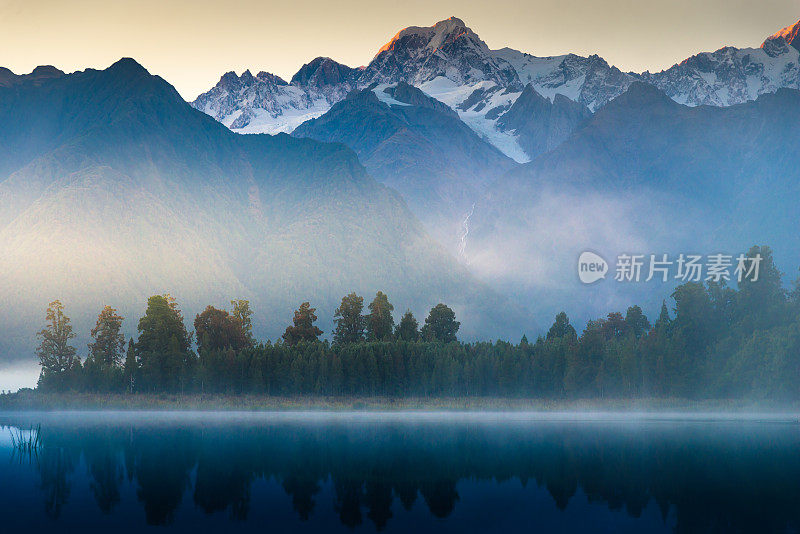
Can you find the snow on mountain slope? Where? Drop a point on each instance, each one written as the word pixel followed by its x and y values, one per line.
pixel 384 96
pixel 730 75
pixel 481 111
pixel 449 48
pixel 265 103
pixel 448 61
pixel 588 80
pixel 451 63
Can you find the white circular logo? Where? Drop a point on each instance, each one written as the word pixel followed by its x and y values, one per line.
pixel 591 267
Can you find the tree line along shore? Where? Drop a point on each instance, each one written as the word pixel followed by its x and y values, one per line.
pixel 717 342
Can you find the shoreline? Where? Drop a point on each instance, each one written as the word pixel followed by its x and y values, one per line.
pixel 49 402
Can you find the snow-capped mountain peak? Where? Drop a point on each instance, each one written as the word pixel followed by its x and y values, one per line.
pixel 790 34
pixel 266 103
pixel 433 37
pixel 449 62
pixel 733 75
pixel 448 49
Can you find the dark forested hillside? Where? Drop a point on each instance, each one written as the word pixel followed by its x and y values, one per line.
pixel 110 184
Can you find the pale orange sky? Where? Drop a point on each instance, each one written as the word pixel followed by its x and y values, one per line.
pixel 192 43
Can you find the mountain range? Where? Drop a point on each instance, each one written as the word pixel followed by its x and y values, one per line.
pixel 442 171
pixel 449 62
pixel 520 105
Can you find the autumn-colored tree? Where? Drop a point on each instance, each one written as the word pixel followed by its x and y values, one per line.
pixel 216 329
pixel 109 343
pixel 303 328
pixel 56 356
pixel 349 321
pixel 380 322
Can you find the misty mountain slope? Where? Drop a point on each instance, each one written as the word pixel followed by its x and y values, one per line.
pixel 126 191
pixel 644 175
pixel 418 146
pixel 644 138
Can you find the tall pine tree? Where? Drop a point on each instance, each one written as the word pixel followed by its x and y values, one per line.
pixel 349 321
pixel 380 322
pixel 303 328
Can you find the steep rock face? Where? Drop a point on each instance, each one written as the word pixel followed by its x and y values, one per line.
pixel 265 103
pixel 114 189
pixel 730 75
pixel 790 35
pixel 539 124
pixel 448 49
pixel 323 72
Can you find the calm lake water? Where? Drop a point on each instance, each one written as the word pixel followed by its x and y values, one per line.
pixel 400 473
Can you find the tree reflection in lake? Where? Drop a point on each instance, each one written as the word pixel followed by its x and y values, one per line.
pixel 673 476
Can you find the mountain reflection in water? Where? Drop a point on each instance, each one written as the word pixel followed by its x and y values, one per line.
pixel 190 472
